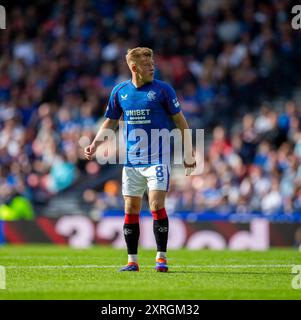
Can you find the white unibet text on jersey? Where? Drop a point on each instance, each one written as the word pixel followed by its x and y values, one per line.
pixel 139 112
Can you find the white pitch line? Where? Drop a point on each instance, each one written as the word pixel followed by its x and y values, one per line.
pixel 171 266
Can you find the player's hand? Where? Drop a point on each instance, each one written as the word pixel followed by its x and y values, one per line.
pixel 190 165
pixel 89 151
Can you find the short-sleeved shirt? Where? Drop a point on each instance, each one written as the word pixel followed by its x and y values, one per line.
pixel 146 111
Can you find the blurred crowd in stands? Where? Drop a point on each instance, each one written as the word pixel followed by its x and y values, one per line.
pixel 60 59
pixel 257 168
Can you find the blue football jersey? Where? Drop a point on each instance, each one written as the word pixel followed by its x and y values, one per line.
pixel 144 110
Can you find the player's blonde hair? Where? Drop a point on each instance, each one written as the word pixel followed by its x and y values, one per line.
pixel 136 54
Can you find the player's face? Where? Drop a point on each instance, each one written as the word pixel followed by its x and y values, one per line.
pixel 145 69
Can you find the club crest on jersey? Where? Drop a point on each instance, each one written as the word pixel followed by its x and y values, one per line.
pixel 176 102
pixel 124 97
pixel 151 95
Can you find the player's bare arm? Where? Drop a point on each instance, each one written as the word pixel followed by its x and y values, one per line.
pixel 108 124
pixel 189 157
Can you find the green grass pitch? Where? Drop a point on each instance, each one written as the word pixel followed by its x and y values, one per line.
pixel 51 272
